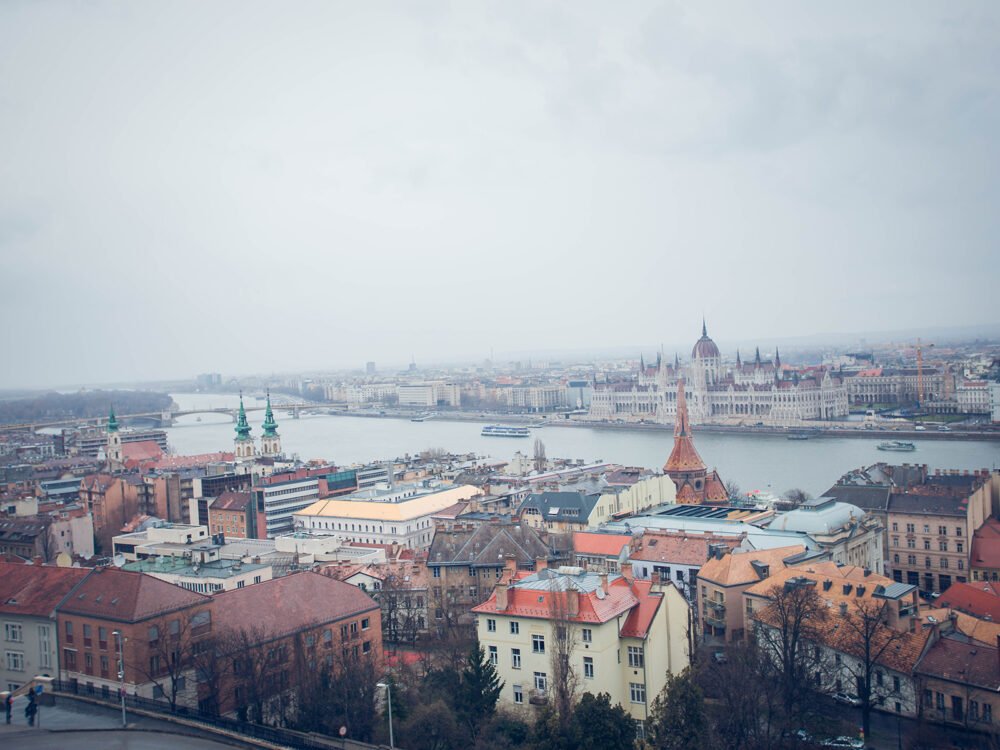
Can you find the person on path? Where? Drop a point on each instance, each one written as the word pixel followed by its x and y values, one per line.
pixel 31 709
pixel 8 706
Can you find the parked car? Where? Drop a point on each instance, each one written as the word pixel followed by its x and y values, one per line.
pixel 920 427
pixel 847 699
pixel 846 742
pixel 719 657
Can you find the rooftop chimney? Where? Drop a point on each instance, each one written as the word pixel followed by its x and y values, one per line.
pixel 627 572
pixel 541 564
pixel 510 563
pixel 604 582
pixel 843 609
pixel 503 593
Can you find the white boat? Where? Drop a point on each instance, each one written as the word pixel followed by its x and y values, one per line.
pixel 502 430
pixel 896 445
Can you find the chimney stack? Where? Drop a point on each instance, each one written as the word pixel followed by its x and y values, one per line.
pixel 604 582
pixel 627 572
pixel 503 597
pixel 843 609
pixel 572 602
pixel 541 564
pixel 655 578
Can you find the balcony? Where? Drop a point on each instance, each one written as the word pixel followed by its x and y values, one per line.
pixel 716 621
pixel 538 697
pixel 718 607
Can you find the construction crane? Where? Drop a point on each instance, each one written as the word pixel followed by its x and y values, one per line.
pixel 920 372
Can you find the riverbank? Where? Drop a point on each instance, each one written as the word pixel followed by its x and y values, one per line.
pixel 811 432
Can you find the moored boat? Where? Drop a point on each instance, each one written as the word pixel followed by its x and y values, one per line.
pixel 502 430
pixel 896 445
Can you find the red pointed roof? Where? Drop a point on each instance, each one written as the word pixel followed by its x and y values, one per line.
pixel 684 456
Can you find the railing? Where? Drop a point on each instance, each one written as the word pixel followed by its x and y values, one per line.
pixel 276 735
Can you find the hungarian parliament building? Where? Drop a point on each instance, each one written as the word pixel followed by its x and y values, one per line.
pixel 752 392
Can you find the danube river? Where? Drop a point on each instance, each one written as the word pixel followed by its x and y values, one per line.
pixel 752 461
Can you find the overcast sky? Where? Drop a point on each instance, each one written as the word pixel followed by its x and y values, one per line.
pixel 263 187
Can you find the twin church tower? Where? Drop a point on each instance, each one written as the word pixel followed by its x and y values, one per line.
pixel 270 441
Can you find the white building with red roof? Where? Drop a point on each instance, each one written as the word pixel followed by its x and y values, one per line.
pixel 624 635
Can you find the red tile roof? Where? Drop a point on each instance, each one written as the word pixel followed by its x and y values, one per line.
pixel 143 450
pixel 986 545
pixel 678 548
pixel 966 663
pixel 127 597
pixel 604 545
pixel 183 462
pixel 977 598
pixel 231 500
pixel 35 590
pixel 637 623
pixel 290 603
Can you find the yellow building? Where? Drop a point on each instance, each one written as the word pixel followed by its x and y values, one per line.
pixel 622 636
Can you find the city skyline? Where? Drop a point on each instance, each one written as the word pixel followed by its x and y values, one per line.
pixel 263 190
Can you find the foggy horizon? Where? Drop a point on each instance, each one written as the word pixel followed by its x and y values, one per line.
pixel 251 188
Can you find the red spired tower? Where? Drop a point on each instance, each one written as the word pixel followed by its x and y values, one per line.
pixel 695 483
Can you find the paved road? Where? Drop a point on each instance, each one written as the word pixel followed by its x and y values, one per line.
pixel 82 726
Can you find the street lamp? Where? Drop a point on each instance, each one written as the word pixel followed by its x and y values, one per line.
pixel 388 695
pixel 121 673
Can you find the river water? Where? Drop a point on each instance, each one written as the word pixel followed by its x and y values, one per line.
pixel 766 462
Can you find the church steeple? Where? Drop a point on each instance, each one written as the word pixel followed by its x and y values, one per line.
pixel 270 426
pixel 704 328
pixel 642 364
pixel 757 358
pixel 777 359
pixel 738 363
pixel 112 420
pixel 242 426
pixel 115 451
pixel 270 442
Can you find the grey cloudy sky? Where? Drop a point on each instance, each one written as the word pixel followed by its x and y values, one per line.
pixel 262 187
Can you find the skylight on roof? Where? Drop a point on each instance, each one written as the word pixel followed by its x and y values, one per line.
pixel 553 511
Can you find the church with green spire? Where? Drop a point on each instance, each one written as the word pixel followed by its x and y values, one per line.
pixel 270 441
pixel 114 453
pixel 245 448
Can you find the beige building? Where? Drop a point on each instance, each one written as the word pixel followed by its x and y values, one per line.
pixel 29 595
pixel 385 515
pixel 617 502
pixel 931 528
pixel 723 579
pixel 623 636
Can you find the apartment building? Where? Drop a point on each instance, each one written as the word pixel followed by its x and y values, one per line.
pixel 29 595
pixel 723 579
pixel 623 636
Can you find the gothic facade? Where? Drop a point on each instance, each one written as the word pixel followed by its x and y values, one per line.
pixel 756 391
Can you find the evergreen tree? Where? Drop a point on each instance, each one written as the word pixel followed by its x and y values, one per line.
pixel 480 689
pixel 601 726
pixel 677 716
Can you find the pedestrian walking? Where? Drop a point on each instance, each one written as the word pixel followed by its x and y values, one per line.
pixel 31 709
pixel 8 706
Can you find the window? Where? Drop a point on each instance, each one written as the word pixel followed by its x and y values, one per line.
pixel 491 625
pixel 637 692
pixel 895 526
pixel 943 545
pixel 928 698
pixel 44 647
pixel 939 698
pixel 518 694
pixel 472 572
pixel 927 543
pixel 911 559
pixel 958 532
pixel 538 644
pixel 366 647
pixel 515 658
pixel 515 627
pixel 910 528
pixel 987 713
pixel 12 632
pixel 87 635
pixel 541 682
pixel 104 666
pixel 69 632
pixel 436 571
pixel 878 678
pixel 473 591
pixel 153 634
pixel 911 543
pixel 895 541
pixel 15 661
pixel 588 667
pixel 636 657
pixel 927 528
pixel 588 635
pixel 927 563
pixel 895 684
pixel 942 530
pixel 365 623
pixel 836 659
pixel 974 710
pixel 944 563
pixel 959 547
pixel 493 655
pixel 102 637
pixel 640 729
pixel 895 559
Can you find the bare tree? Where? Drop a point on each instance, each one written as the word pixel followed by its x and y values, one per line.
pixel 750 713
pixel 866 636
pixel 257 662
pixel 173 640
pixel 403 609
pixel 733 491
pixel 563 684
pixel 786 631
pixel 540 461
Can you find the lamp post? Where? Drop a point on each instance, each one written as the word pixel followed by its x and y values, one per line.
pixel 121 672
pixel 388 695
